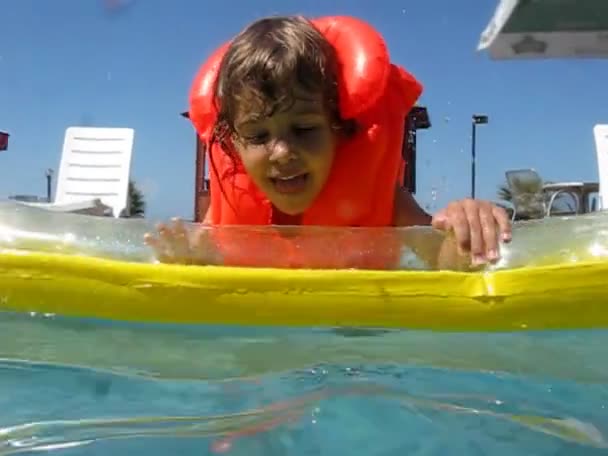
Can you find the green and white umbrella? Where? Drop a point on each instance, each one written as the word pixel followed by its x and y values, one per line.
pixel 547 29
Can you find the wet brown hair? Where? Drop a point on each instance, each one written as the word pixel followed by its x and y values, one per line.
pixel 267 61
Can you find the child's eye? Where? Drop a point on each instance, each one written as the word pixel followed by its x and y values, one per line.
pixel 259 138
pixel 304 129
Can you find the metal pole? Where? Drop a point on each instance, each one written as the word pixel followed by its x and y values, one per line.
pixel 473 156
pixel 49 184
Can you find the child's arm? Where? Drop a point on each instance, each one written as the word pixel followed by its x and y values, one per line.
pixel 428 246
pixel 407 210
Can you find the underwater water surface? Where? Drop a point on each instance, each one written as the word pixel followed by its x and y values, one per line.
pixel 87 387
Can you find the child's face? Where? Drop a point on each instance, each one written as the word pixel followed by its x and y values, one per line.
pixel 288 154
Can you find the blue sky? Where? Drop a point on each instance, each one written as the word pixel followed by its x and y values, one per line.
pixel 65 62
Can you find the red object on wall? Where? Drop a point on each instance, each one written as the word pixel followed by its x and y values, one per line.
pixel 3 140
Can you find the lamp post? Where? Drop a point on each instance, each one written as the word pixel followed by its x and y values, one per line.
pixel 49 183
pixel 477 119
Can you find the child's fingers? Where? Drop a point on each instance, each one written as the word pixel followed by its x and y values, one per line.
pixel 476 238
pixel 490 234
pixel 150 240
pixel 180 241
pixel 164 232
pixel 159 248
pixel 460 226
pixel 180 233
pixel 504 223
pixel 170 245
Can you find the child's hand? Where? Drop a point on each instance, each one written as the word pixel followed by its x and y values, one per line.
pixel 478 226
pixel 173 243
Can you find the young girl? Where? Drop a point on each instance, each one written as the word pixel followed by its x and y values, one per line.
pixel 303 122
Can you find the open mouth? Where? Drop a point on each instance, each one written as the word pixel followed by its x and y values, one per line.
pixel 290 184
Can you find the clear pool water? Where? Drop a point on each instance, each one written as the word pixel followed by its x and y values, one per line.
pixel 75 387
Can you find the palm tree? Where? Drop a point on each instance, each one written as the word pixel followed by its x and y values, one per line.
pixel 504 193
pixel 505 199
pixel 526 197
pixel 137 203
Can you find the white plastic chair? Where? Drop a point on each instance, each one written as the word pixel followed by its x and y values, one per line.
pixel 94 171
pixel 601 145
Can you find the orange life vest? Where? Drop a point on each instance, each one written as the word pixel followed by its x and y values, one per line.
pixel 361 186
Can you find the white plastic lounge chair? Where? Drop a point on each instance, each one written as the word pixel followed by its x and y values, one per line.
pixel 532 198
pixel 601 145
pixel 94 172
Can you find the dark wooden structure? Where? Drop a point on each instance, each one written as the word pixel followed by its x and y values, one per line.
pixel 4 140
pixel 201 184
pixel 418 119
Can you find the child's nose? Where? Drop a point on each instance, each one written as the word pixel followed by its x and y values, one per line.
pixel 281 151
